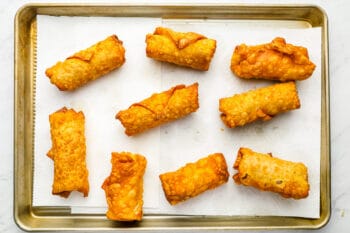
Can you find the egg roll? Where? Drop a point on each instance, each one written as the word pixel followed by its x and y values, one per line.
pixel 68 152
pixel 181 48
pixel 160 108
pixel 124 187
pixel 262 103
pixel 274 61
pixel 266 173
pixel 87 65
pixel 194 178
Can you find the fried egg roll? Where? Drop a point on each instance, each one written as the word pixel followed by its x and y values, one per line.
pixel 194 178
pixel 88 64
pixel 274 61
pixel 68 152
pixel 185 49
pixel 160 108
pixel 262 103
pixel 266 173
pixel 124 187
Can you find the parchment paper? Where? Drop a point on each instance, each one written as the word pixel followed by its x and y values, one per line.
pixel 293 136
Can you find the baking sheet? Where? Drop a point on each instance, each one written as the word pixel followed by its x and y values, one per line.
pixel 294 136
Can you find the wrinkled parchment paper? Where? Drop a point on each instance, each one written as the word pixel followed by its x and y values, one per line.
pixel 292 136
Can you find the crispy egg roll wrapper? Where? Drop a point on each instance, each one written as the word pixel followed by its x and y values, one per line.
pixel 274 61
pixel 262 103
pixel 87 65
pixel 68 152
pixel 267 173
pixel 194 178
pixel 124 187
pixel 185 49
pixel 160 108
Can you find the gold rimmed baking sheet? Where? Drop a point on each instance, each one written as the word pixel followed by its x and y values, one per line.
pixel 54 218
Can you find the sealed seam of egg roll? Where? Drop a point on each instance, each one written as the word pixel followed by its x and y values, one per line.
pixel 87 65
pixel 124 187
pixel 68 152
pixel 262 103
pixel 194 178
pixel 274 61
pixel 188 49
pixel 160 108
pixel 266 173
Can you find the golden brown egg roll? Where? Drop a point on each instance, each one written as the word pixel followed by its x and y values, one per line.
pixel 68 152
pixel 274 61
pixel 88 64
pixel 185 49
pixel 160 108
pixel 266 173
pixel 194 178
pixel 262 103
pixel 124 187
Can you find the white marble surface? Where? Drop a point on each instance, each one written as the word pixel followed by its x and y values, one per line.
pixel 339 51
